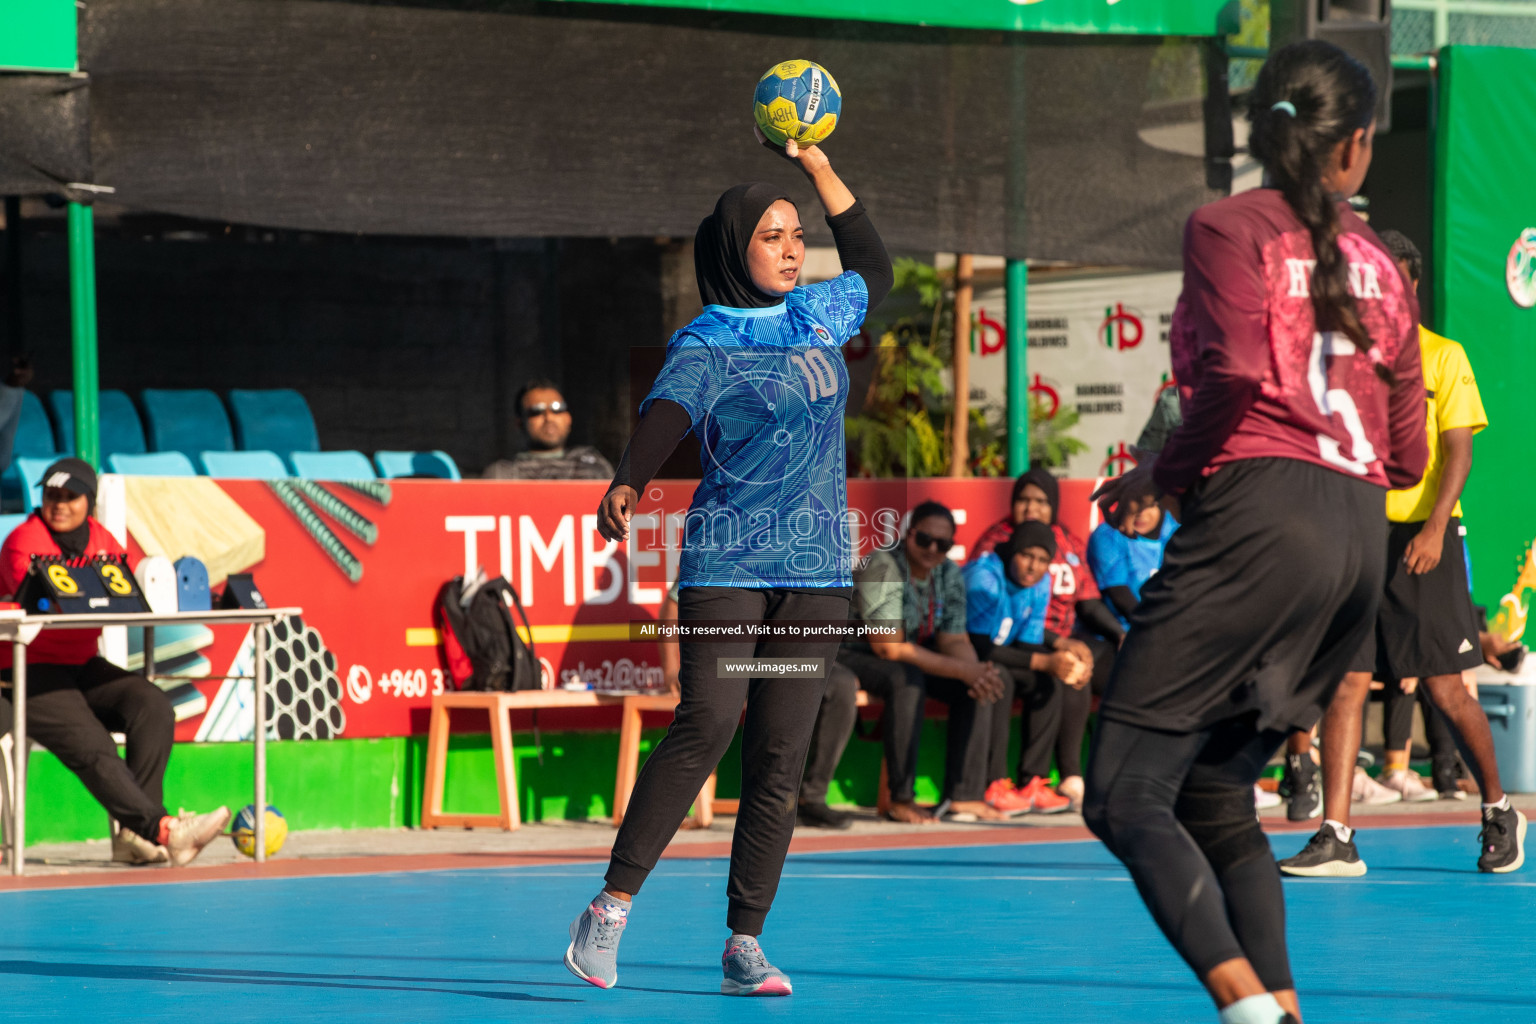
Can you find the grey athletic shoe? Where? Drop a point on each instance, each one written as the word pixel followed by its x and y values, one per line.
pixel 593 955
pixel 1502 840
pixel 1325 856
pixel 748 972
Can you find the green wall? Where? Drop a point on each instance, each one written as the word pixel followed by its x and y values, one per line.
pixel 339 784
pixel 1485 153
pixel 37 35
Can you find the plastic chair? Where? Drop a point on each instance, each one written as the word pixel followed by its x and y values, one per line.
pixel 34 432
pixel 151 464
pixel 26 474
pixel 243 465
pixel 278 421
pixel 188 422
pixel 344 465
pixel 437 464
pixel 120 428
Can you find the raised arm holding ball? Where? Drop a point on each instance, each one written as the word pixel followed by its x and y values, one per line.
pixel 760 378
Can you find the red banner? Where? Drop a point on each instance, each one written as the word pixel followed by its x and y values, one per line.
pixel 367 662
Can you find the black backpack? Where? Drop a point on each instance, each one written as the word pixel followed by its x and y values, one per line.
pixel 481 647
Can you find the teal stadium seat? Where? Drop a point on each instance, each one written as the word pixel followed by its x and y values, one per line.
pixel 437 464
pixel 29 469
pixel 119 427
pixel 34 431
pixel 188 422
pixel 243 465
pixel 344 465
pixel 9 523
pixel 151 464
pixel 275 421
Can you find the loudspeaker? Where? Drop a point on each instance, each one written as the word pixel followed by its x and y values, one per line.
pixel 240 592
pixel 1361 28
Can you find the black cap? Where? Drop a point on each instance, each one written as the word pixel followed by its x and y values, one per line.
pixel 1029 534
pixel 72 474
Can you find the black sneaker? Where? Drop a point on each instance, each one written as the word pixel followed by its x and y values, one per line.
pixel 1445 772
pixel 1325 856
pixel 822 816
pixel 1300 786
pixel 1502 840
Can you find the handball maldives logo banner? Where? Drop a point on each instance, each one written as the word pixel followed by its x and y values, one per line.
pixel 1097 346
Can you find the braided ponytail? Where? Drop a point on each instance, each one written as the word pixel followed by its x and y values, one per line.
pixel 1309 97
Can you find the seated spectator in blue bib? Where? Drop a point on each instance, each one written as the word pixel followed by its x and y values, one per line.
pixel 1124 555
pixel 1007 594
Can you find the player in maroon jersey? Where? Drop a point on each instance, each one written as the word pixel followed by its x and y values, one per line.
pixel 1297 358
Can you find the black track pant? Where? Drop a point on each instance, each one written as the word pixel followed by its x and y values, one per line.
pixel 834 725
pixel 1040 694
pixel 1076 705
pixel 1398 719
pixel 1177 809
pixel 73 709
pixel 780 715
pixel 904 688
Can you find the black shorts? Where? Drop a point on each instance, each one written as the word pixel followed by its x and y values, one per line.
pixel 1266 591
pixel 1426 625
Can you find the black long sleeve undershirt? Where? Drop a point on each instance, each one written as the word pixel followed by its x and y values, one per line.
pixel 1123 599
pixel 860 249
pixel 664 424
pixel 1096 617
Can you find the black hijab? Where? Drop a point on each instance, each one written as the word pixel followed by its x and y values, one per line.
pixel 720 247
pixel 1041 478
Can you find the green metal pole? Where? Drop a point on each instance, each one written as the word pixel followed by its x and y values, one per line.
pixel 1018 367
pixel 82 303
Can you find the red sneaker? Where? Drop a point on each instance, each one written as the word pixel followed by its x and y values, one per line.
pixel 1042 799
pixel 1003 796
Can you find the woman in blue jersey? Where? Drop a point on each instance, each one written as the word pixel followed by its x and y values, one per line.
pixel 760 378
pixel 1123 559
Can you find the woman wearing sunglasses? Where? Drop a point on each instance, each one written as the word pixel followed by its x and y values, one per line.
pixel 917 584
pixel 760 378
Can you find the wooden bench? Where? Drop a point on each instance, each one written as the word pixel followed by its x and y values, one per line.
pixel 498 706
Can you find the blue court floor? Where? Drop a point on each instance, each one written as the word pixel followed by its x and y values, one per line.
pixel 1018 933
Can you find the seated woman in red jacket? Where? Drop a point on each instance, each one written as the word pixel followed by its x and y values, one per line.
pixel 76 699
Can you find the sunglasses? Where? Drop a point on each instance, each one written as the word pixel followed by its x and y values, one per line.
pixel 59 495
pixel 545 408
pixel 928 540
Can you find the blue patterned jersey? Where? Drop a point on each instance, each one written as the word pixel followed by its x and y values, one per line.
pixel 998 608
pixel 1121 561
pixel 766 390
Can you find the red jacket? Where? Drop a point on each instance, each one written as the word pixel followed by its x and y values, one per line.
pixel 52 646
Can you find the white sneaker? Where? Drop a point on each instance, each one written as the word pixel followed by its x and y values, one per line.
pixel 1409 784
pixel 191 832
pixel 1366 790
pixel 1263 799
pixel 128 847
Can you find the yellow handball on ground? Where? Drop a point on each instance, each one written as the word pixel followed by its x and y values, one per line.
pixel 797 100
pixel 243 831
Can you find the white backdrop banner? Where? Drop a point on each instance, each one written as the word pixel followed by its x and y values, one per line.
pixel 1098 345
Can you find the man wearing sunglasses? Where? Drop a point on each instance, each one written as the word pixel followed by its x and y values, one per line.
pixel 546 422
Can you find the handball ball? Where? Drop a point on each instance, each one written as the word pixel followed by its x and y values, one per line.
pixel 797 100
pixel 244 830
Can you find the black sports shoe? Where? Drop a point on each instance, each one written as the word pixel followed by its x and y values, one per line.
pixel 822 816
pixel 1300 786
pixel 1325 856
pixel 1445 772
pixel 1502 840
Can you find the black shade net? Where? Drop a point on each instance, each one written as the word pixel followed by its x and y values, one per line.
pixel 540 119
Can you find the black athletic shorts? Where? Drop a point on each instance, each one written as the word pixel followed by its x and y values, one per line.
pixel 1426 625
pixel 1266 591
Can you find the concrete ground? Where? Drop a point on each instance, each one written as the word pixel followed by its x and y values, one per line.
pixel 591 840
